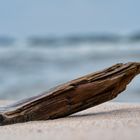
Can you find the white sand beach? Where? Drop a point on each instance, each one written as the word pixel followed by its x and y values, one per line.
pixel 108 121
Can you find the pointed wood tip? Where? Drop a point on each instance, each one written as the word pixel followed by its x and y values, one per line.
pixel 2 118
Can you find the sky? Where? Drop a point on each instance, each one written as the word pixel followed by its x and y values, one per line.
pixel 22 18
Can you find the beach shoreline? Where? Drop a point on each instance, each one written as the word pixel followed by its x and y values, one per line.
pixel 111 120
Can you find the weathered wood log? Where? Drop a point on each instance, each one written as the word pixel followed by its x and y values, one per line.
pixel 71 97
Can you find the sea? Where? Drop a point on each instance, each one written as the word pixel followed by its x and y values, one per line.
pixel 33 65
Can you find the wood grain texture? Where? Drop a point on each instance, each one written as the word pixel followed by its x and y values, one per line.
pixel 71 97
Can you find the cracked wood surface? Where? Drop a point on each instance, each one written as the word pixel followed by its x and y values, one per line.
pixel 71 97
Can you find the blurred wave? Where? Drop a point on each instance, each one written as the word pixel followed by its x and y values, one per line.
pixel 71 40
pixel 49 41
pixel 6 41
pixel 79 39
pixel 36 64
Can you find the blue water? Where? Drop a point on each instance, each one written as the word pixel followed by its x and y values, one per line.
pixel 27 69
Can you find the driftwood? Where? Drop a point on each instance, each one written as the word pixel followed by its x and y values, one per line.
pixel 71 97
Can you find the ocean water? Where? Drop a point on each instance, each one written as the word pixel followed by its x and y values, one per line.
pixel 28 69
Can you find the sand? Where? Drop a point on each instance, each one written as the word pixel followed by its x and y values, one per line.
pixel 108 121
